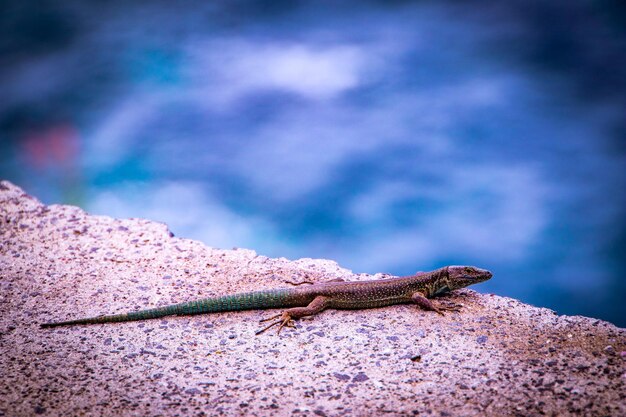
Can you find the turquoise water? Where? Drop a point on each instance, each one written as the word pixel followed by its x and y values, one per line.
pixel 388 138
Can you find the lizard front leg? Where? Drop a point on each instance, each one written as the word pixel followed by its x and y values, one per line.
pixel 421 300
pixel 286 318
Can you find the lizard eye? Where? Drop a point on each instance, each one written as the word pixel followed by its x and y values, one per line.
pixel 469 270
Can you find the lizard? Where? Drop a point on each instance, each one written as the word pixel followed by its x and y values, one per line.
pixel 312 299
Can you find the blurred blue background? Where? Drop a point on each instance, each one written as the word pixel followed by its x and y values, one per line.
pixel 388 136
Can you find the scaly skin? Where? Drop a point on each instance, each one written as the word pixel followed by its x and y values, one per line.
pixel 310 300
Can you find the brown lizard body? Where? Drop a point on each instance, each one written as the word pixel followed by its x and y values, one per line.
pixel 312 299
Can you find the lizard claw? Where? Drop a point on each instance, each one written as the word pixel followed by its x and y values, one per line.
pixel 451 307
pixel 284 320
pixel 454 308
pixel 270 318
pixel 299 283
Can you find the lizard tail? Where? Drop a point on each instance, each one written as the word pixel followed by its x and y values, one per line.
pixel 136 315
pixel 244 301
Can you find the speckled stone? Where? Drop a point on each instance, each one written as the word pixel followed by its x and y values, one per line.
pixel 495 357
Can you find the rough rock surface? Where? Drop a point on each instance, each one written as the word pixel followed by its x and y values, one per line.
pixel 495 357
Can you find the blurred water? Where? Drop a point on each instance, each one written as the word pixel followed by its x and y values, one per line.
pixel 389 137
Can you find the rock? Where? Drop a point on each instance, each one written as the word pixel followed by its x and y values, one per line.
pixel 496 356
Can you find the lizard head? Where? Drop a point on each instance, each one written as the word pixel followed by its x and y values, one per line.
pixel 462 276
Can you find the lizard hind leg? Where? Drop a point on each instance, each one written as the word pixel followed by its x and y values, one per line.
pixel 287 317
pixel 311 282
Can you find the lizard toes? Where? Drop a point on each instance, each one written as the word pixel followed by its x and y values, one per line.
pixel 270 318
